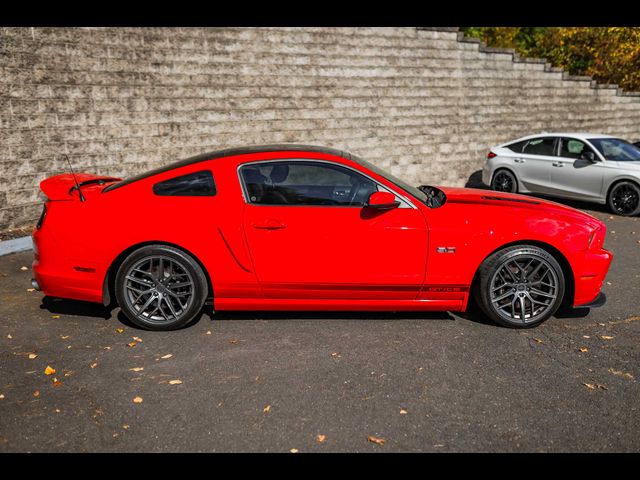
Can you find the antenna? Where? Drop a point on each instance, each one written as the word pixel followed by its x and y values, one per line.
pixel 82 199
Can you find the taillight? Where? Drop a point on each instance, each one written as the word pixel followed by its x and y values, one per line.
pixel 42 215
pixel 491 155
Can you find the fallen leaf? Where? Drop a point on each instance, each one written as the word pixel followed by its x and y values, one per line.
pixel 55 316
pixel 175 382
pixel 602 387
pixel 9 337
pixel 119 330
pixel 136 369
pixel 126 427
pixel 208 332
pixel 31 289
pixel 321 438
pixel 537 340
pixel 49 370
pixel 586 336
pixel 376 440
pixel 168 355
pixel 583 349
pixel 233 342
pixel 57 410
pixel 32 356
pixel 403 411
pixel 64 337
pixel 36 393
pixel 606 337
pixel 266 409
pixel 137 339
pixel 619 373
pixel 24 269
pixel 107 348
pixel 335 354
pixel 602 324
pixel 137 400
pixel 590 386
pixel 56 382
pixel 93 365
pixel 131 344
pixel 1 396
pixel 294 450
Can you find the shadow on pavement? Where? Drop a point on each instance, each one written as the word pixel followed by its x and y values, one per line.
pixel 63 306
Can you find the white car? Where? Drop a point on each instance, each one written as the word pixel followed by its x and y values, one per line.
pixel 578 166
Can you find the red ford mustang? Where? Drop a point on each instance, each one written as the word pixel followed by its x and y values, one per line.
pixel 290 227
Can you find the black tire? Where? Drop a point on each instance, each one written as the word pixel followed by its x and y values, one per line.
pixel 174 284
pixel 541 294
pixel 504 181
pixel 624 199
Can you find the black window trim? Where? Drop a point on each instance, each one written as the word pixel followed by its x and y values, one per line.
pixel 245 193
pixel 204 170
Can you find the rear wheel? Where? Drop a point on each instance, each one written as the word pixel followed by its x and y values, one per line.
pixel 160 287
pixel 504 181
pixel 624 199
pixel 520 286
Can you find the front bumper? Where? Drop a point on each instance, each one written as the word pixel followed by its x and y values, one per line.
pixel 589 272
pixel 600 300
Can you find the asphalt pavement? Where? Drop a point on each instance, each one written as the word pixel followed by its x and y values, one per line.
pixel 322 382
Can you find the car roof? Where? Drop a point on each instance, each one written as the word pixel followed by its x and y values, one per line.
pixel 231 152
pixel 578 135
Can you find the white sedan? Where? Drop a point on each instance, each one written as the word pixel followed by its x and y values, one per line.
pixel 578 166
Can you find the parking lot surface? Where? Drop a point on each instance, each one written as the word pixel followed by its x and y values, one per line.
pixel 322 382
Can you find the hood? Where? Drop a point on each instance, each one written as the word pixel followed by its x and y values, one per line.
pixel 514 201
pixel 63 187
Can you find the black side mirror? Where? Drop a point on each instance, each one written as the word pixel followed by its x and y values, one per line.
pixel 589 156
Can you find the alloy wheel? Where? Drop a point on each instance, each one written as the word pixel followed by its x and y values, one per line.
pixel 625 199
pixel 504 182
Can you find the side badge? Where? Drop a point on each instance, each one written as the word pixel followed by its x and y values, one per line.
pixel 446 249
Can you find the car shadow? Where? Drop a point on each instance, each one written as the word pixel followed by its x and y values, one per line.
pixel 475 181
pixel 63 306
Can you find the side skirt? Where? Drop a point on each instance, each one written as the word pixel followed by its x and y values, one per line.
pixel 337 305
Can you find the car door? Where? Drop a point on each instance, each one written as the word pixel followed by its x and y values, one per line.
pixel 533 165
pixel 574 175
pixel 310 235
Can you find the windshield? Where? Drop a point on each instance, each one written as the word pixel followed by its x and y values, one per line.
pixel 616 149
pixel 395 180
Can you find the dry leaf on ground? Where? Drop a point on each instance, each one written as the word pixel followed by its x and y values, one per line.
pixel 583 349
pixel 137 400
pixel 168 355
pixel 136 369
pixel 131 344
pixel 32 356
pixel 55 316
pixel 606 337
pixel 590 386
pixel 119 330
pixel 1 396
pixel 376 440
pixel 24 269
pixel 93 365
pixel 175 382
pixel 49 370
pixel 321 438
pixel 619 373
pixel 266 409
pixel 56 382
pixel 335 354
pixel 9 336
pixel 208 332
pixel 537 340
pixel 31 289
pixel 36 393
pixel 294 450
pixel 403 411
pixel 137 339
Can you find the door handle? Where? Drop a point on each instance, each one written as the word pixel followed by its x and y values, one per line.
pixel 519 160
pixel 270 225
pixel 558 164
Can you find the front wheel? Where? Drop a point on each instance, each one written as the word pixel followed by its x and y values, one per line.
pixel 520 286
pixel 160 288
pixel 624 199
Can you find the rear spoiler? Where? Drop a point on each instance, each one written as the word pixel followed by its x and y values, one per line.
pixel 61 187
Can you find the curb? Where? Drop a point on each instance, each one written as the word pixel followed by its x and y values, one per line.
pixel 16 245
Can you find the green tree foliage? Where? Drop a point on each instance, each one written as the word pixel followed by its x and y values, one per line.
pixel 609 54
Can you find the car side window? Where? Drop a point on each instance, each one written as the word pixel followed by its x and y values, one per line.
pixel 572 148
pixel 540 146
pixel 305 183
pixel 198 184
pixel 517 147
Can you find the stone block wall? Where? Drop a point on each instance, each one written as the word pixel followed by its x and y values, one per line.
pixel 424 103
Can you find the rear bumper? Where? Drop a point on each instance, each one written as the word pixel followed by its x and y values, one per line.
pixel 590 271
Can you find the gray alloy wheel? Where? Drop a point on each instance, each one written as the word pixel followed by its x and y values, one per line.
pixel 624 199
pixel 160 288
pixel 504 181
pixel 520 286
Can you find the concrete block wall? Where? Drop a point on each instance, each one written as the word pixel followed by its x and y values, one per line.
pixel 424 103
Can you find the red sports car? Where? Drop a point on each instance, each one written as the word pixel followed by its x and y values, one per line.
pixel 289 227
